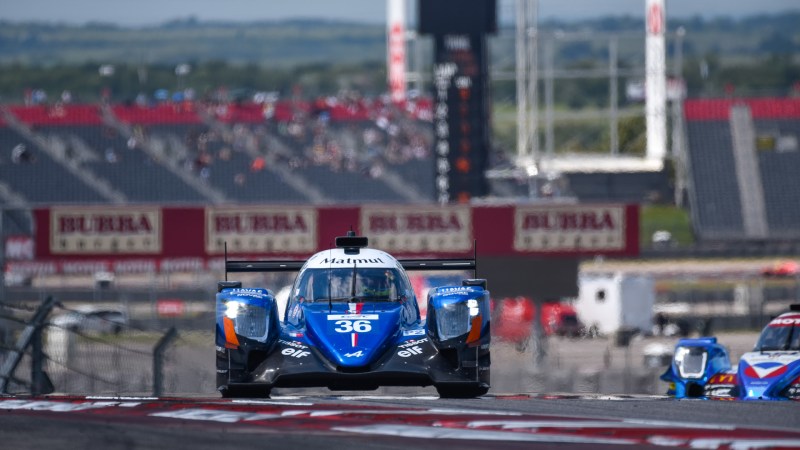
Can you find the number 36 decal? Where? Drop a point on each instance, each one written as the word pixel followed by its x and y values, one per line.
pixel 353 326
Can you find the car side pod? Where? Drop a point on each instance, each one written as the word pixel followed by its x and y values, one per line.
pixel 247 328
pixel 458 325
pixel 694 363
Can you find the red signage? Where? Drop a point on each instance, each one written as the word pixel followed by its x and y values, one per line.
pixel 172 307
pixel 418 229
pixel 152 239
pixel 261 230
pixel 655 18
pixel 569 228
pixel 19 248
pixel 105 230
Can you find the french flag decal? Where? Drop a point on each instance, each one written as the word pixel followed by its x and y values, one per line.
pixel 765 370
pixel 354 308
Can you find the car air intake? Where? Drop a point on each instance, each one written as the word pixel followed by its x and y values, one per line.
pixel 452 320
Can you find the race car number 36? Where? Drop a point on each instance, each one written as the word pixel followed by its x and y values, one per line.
pixel 352 326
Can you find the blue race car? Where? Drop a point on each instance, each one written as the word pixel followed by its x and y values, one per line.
pixel 352 323
pixel 702 368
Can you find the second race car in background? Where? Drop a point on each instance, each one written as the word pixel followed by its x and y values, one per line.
pixel 702 368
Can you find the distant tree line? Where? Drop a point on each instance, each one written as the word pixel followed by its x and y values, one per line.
pixel 125 82
pixel 707 76
pixel 758 55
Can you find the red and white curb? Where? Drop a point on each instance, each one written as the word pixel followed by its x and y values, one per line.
pixel 304 415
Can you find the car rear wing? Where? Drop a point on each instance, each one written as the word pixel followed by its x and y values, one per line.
pixel 295 266
pixel 351 242
pixel 408 264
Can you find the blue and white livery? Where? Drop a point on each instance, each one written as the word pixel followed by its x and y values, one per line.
pixel 702 368
pixel 352 323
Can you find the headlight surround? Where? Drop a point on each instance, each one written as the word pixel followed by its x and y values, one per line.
pixel 691 361
pixel 452 320
pixel 249 320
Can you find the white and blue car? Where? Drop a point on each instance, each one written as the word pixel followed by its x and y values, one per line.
pixel 702 368
pixel 352 323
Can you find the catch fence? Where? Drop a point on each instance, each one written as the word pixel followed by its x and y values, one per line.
pixel 52 348
pixel 116 356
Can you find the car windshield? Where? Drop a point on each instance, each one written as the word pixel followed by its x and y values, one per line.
pixel 779 338
pixel 371 284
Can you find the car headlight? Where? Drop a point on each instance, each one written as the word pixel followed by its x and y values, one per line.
pixel 452 320
pixel 691 361
pixel 473 307
pixel 793 390
pixel 232 309
pixel 249 320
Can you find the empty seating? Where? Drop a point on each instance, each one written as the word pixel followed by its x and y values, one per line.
pixel 718 210
pixel 717 192
pixel 350 187
pixel 240 180
pixel 38 178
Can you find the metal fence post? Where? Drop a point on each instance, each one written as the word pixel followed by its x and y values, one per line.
pixel 40 381
pixel 158 360
pixel 538 336
pixel 26 338
pixel 2 257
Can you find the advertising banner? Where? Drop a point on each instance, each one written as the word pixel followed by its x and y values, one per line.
pixel 105 230
pixel 20 248
pixel 142 239
pixel 570 228
pixel 655 79
pixel 261 229
pixel 418 229
pixel 396 46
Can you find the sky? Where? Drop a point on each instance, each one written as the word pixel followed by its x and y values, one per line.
pixel 153 12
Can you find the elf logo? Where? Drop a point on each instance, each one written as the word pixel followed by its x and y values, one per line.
pixel 416 350
pixel 295 353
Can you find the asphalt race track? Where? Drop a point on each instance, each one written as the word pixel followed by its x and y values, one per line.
pixel 394 422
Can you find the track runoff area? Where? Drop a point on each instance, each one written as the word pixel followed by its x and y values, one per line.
pixel 383 421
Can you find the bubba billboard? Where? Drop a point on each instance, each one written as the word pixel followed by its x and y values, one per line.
pixel 418 229
pixel 147 239
pixel 82 231
pixel 255 230
pixel 570 228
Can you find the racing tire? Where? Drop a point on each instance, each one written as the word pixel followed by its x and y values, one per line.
pixel 473 391
pixel 253 391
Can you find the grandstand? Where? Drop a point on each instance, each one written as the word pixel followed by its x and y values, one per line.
pixel 742 159
pixel 333 150
pixel 743 162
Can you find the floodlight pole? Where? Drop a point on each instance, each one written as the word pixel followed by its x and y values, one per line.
pixel 526 45
pixel 521 45
pixel 613 73
pixel 532 38
pixel 549 62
